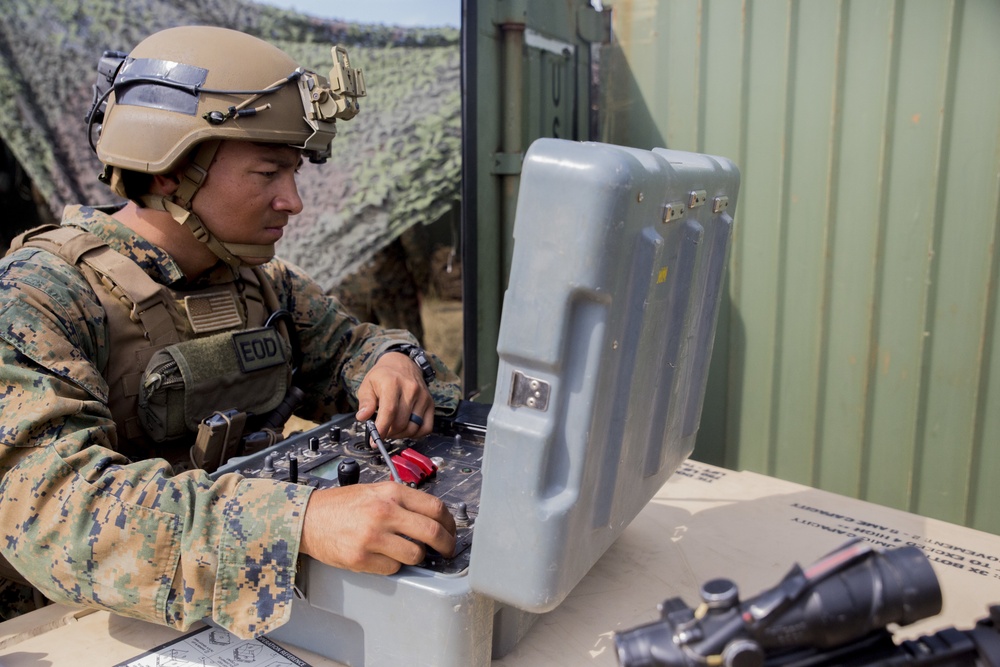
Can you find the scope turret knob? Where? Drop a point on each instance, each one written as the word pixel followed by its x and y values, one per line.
pixel 720 594
pixel 743 653
pixel 348 472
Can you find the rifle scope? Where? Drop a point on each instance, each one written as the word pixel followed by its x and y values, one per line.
pixel 845 596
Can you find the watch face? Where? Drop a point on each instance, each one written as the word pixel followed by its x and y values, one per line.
pixel 419 357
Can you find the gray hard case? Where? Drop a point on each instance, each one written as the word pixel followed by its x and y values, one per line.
pixel 604 346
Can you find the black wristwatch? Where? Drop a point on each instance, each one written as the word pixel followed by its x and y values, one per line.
pixel 419 357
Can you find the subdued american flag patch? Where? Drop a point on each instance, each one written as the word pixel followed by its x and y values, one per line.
pixel 213 312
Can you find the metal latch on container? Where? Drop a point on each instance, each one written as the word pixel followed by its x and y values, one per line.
pixel 697 198
pixel 528 392
pixel 672 211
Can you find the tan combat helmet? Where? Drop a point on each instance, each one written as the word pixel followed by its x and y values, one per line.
pixel 183 90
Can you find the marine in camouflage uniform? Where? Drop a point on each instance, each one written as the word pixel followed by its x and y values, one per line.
pixel 135 538
pixel 87 525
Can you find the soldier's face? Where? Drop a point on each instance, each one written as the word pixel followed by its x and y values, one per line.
pixel 249 193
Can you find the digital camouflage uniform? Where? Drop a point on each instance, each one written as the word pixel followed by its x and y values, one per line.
pixel 89 527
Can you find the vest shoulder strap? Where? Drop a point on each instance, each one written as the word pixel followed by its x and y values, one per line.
pixel 140 295
pixel 67 242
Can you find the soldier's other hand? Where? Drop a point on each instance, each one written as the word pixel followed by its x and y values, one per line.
pixel 395 389
pixel 363 527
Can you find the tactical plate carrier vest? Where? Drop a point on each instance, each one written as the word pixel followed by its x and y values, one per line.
pixel 147 320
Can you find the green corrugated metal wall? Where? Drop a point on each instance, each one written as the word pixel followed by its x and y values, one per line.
pixel 526 74
pixel 859 351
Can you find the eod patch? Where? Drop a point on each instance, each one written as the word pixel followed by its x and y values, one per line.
pixel 257 349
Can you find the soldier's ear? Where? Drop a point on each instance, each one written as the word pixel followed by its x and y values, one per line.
pixel 165 184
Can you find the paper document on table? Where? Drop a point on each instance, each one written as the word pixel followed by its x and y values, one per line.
pixel 215 647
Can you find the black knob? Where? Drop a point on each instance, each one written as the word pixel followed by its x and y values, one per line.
pixel 720 594
pixel 335 433
pixel 293 470
pixel 314 444
pixel 348 472
pixel 743 653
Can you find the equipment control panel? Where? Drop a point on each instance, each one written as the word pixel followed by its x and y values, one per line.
pixel 447 464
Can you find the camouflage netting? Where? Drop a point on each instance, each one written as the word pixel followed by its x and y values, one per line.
pixel 394 166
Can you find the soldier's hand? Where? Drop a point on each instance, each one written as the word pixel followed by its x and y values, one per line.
pixel 395 388
pixel 363 527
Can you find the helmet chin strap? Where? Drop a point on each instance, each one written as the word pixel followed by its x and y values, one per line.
pixel 178 206
pixel 230 253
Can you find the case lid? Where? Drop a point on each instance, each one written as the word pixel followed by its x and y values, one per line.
pixel 604 344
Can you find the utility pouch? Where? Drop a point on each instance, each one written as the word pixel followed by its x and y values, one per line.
pixel 247 371
pixel 218 439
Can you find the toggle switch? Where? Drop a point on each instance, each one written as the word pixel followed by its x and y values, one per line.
pixel 462 515
pixel 425 464
pixel 268 469
pixel 409 472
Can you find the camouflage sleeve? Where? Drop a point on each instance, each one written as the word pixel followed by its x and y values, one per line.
pixel 338 350
pixel 88 527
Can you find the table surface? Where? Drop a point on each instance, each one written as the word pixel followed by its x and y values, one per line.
pixel 705 523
